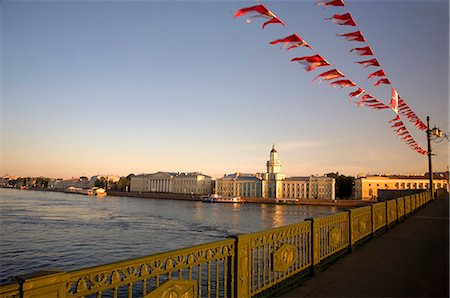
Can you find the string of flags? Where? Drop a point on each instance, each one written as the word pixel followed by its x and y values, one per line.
pixel 310 63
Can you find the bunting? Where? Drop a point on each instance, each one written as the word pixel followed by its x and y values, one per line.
pixel 382 81
pixel 367 63
pixel 291 41
pixel 331 3
pixel 364 51
pixel 261 11
pixel 356 93
pixel 343 19
pixel 353 36
pixel 379 73
pixel 398 105
pixel 394 100
pixel 402 132
pixel 312 62
pixel 342 83
pixel 329 75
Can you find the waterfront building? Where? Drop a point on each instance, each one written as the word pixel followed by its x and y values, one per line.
pixel 239 185
pixel 366 188
pixel 169 182
pixel 321 187
pixel 192 183
pixel 274 184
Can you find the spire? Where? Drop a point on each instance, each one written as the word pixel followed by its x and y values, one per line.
pixel 273 148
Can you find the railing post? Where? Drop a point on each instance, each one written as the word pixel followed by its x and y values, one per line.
pixel 314 246
pixel 242 267
pixel 51 284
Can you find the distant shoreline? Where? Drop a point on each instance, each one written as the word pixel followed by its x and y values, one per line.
pixel 183 197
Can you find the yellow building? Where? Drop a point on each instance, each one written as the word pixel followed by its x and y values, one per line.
pixel 366 188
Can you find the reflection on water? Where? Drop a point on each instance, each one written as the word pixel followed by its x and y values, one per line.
pixel 46 230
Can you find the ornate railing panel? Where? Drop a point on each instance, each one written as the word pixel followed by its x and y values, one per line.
pixel 203 271
pixel 422 199
pixel 361 223
pixel 400 208
pixel 407 205
pixel 379 216
pixel 267 258
pixel 11 290
pixel 417 201
pixel 413 203
pixel 391 211
pixel 330 235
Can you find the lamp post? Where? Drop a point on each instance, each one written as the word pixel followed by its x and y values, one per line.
pixel 438 133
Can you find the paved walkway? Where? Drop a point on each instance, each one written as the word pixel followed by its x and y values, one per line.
pixel 411 260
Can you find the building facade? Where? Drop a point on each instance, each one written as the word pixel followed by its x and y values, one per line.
pixel 274 184
pixel 239 185
pixel 181 183
pixel 366 188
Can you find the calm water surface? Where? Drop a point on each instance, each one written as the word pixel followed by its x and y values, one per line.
pixel 47 230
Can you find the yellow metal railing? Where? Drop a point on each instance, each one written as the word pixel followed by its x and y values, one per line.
pixel 400 208
pixel 361 223
pixel 269 257
pixel 240 266
pixel 330 235
pixel 379 216
pixel 407 205
pixel 11 290
pixel 204 270
pixel 391 211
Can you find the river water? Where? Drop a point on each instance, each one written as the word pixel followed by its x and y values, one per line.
pixel 49 230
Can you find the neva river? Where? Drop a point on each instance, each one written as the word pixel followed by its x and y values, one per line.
pixel 48 230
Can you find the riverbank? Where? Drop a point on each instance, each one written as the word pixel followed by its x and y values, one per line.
pixel 312 202
pixel 188 197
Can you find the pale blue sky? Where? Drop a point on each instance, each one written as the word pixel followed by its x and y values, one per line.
pixel 97 87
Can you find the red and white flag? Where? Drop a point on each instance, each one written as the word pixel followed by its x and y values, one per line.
pixel 379 73
pixel 356 93
pixel 311 62
pixel 329 75
pixel 394 100
pixel 291 41
pixel 382 81
pixel 343 19
pixel 331 3
pixel 371 62
pixel 353 36
pixel 365 51
pixel 261 11
pixel 342 83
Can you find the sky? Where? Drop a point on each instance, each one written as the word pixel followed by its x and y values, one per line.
pixel 119 87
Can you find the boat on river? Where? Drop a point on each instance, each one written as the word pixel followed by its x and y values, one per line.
pixel 219 199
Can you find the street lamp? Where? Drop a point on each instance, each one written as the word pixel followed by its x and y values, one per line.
pixel 431 132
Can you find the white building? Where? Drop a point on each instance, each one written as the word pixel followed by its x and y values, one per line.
pixel 182 183
pixel 239 185
pixel 274 184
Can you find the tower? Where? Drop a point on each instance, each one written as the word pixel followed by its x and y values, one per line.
pixel 273 164
pixel 272 181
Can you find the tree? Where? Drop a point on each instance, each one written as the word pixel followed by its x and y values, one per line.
pixel 344 184
pixel 101 182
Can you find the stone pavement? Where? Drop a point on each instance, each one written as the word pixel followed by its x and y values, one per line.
pixel 410 260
